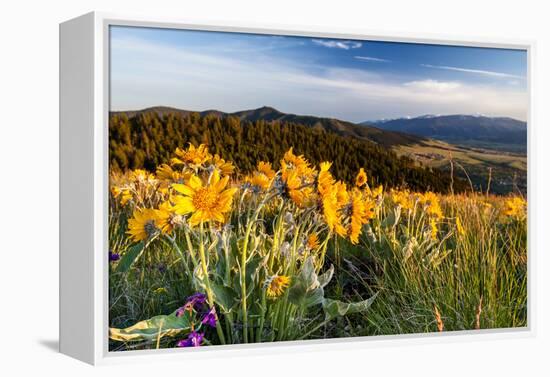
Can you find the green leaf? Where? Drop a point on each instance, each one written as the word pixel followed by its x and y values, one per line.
pixel 152 328
pixel 335 308
pixel 225 296
pixel 129 257
pixel 307 288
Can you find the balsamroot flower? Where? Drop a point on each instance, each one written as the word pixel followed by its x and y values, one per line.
pixel 210 318
pixel 167 218
pixel 515 207
pixel 404 199
pixel 205 202
pixel 362 210
pixel 298 178
pixel 277 285
pixel 124 193
pixel 194 339
pixel 333 196
pixel 142 226
pixel 192 155
pixel 165 172
pixel 313 241
pixel 224 167
pixel 431 203
pixel 361 178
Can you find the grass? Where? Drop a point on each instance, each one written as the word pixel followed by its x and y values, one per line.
pixel 508 169
pixel 421 262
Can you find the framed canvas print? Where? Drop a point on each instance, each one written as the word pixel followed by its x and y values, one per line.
pixel 226 187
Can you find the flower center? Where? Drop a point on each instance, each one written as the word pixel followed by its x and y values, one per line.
pixel 204 199
pixel 150 228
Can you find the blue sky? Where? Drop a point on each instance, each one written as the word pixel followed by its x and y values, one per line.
pixel 345 79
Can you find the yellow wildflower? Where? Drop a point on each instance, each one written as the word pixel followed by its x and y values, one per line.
pixel 263 177
pixel 313 241
pixel 142 225
pixel 225 167
pixel 459 227
pixel 193 155
pixel 165 172
pixel 431 203
pixel 167 218
pixel 515 207
pixel 361 178
pixel 361 213
pixel 266 169
pixel 125 194
pixel 403 199
pixel 297 181
pixel 206 203
pixel 277 285
pixel 259 180
pixel 142 176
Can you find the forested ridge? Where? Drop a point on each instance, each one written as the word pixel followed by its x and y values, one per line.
pixel 147 139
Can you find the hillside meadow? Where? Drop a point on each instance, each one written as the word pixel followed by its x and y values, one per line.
pixel 204 252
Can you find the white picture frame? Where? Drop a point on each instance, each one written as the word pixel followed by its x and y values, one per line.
pixel 84 109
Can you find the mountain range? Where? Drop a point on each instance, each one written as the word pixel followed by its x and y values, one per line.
pixel 386 138
pixel 473 130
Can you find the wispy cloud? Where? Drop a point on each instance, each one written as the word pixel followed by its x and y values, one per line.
pixel 372 59
pixel 346 45
pixel 475 71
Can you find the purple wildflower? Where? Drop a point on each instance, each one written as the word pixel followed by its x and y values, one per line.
pixel 194 339
pixel 210 318
pixel 195 301
pixel 113 257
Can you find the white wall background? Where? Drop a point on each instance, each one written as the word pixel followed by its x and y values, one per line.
pixel 29 184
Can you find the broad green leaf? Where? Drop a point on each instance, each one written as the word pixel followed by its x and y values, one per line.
pixel 152 328
pixel 225 296
pixel 335 308
pixel 307 289
pixel 129 257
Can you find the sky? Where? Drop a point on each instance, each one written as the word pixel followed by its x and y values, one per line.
pixel 346 79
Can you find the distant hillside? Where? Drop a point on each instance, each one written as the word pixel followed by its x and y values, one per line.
pixel 146 139
pixel 480 131
pixel 340 127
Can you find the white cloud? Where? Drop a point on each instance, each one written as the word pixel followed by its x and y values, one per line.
pixel 372 59
pixel 346 45
pixel 147 74
pixel 475 71
pixel 433 85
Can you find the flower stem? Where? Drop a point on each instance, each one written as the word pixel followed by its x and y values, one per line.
pixel 207 281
